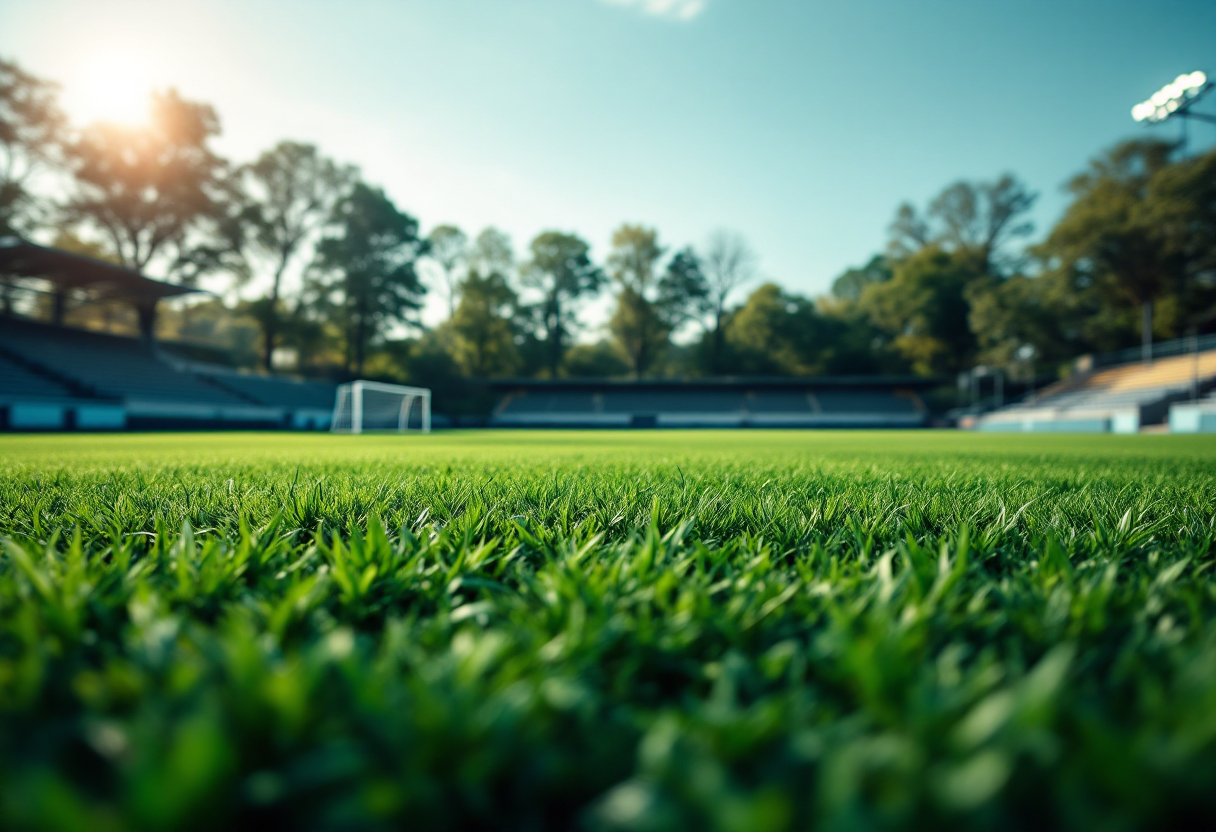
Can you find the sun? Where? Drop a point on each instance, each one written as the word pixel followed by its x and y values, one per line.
pixel 111 87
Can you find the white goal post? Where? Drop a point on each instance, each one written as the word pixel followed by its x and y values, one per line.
pixel 364 406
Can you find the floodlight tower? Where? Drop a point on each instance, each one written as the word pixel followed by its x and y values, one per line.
pixel 1176 99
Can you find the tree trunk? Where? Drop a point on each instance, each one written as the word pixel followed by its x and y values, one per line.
pixel 715 346
pixel 361 336
pixel 449 279
pixel 640 358
pixel 268 334
pixel 1146 332
pixel 555 339
pixel 349 355
pixel 270 324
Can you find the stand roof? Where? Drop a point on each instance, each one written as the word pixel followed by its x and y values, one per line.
pixel 19 258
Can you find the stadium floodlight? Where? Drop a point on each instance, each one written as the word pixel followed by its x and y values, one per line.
pixel 369 406
pixel 1175 99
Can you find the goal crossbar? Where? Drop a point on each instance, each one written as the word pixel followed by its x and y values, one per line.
pixel 373 406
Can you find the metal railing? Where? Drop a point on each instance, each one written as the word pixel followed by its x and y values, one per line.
pixel 1161 349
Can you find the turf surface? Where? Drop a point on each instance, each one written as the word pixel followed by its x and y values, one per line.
pixel 634 630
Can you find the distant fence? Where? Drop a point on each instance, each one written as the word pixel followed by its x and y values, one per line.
pixel 1161 349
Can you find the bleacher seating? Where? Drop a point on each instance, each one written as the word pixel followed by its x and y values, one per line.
pixel 108 365
pixel 692 401
pixel 564 402
pixel 538 403
pixel 16 382
pixel 780 401
pixel 106 381
pixel 274 391
pixel 713 404
pixel 864 402
pixel 1121 398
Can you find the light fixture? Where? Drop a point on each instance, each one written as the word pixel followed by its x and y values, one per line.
pixel 1172 99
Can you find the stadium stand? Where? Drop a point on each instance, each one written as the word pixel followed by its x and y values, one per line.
pixel 53 377
pixel 800 402
pixel 1118 399
pixel 309 404
pixel 151 391
pixel 17 381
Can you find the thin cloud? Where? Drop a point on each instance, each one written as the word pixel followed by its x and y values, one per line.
pixel 670 9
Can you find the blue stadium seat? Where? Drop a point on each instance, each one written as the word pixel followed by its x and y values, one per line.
pixel 108 365
pixel 16 382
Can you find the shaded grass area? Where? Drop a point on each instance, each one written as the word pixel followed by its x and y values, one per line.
pixel 617 631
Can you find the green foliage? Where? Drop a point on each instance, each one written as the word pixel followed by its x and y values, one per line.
pixel 31 141
pixel 1132 258
pixel 638 323
pixel 449 248
pixel 149 190
pixel 924 308
pixel 729 631
pixel 1140 230
pixel 483 330
pixel 1007 314
pixel 778 333
pixel 976 221
pixel 683 291
pixel 640 329
pixel 603 359
pixel 366 268
pixel 285 196
pixel 849 286
pixel 561 271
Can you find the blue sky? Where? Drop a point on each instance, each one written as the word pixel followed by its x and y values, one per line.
pixel 801 124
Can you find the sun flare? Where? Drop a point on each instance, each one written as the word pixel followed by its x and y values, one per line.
pixel 112 87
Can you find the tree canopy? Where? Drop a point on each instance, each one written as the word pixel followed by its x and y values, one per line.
pixel 152 190
pixel 561 271
pixel 305 256
pixel 366 268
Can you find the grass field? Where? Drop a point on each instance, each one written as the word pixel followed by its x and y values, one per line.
pixel 635 630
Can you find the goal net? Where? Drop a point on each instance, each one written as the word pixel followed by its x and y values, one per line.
pixel 364 406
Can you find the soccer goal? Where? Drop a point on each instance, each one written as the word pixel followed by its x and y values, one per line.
pixel 364 406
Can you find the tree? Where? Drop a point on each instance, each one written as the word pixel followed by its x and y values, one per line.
pixel 849 286
pixel 638 325
pixel 287 195
pixel 485 332
pixel 635 253
pixel 981 219
pixel 482 330
pixel 1010 314
pixel 31 143
pixel 602 359
pixel 1112 241
pixel 560 269
pixel 366 268
pixel 778 333
pixel 448 249
pixel 727 262
pixel 683 291
pixel 908 233
pixel 491 252
pixel 763 333
pixel 976 219
pixel 640 330
pixel 1182 203
pixel 924 308
pixel 149 190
